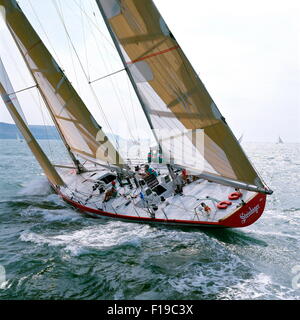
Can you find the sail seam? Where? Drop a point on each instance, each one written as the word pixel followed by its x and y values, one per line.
pixel 34 45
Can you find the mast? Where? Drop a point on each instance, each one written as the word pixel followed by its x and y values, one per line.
pixel 39 154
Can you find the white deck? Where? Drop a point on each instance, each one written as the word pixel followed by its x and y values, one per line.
pixel 129 202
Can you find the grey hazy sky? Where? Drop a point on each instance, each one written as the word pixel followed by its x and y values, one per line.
pixel 246 53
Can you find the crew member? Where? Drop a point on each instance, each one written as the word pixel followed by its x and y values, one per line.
pixel 206 208
pixel 111 193
pixel 149 171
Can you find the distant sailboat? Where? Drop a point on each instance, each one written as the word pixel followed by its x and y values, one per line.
pixel 210 184
pixel 18 138
pixel 279 140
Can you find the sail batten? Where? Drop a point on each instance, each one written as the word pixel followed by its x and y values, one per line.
pixel 171 92
pixel 77 126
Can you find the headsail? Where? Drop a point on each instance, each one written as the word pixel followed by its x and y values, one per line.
pixel 77 126
pixel 8 88
pixel 172 94
pixel 11 101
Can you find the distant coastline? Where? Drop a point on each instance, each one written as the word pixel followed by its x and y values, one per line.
pixel 10 131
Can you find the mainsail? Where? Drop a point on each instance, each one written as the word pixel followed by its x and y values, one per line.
pixel 170 91
pixel 78 128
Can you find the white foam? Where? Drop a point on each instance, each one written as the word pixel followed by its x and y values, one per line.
pixel 275 234
pixel 61 215
pixel 93 237
pixel 55 215
pixel 211 277
pixel 75 250
pixel 108 235
pixel 261 286
pixel 227 278
pixel 36 187
pixel 4 285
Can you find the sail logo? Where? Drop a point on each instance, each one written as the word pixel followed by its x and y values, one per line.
pixel 245 216
pixel 173 146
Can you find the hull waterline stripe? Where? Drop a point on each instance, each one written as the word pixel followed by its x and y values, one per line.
pixel 220 223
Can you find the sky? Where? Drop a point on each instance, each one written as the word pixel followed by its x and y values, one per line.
pixel 247 54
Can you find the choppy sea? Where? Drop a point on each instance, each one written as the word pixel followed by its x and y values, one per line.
pixel 50 251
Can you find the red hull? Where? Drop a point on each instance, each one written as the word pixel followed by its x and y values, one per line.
pixel 242 217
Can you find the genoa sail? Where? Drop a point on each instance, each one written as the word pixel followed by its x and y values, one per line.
pixel 77 126
pixel 11 101
pixel 8 88
pixel 171 92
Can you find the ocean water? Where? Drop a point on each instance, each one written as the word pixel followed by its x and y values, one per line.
pixel 50 251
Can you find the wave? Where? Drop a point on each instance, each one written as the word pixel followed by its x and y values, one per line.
pixel 56 215
pixel 96 237
pixel 39 186
pixel 225 281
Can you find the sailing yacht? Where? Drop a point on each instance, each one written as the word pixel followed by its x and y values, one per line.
pixel 210 182
pixel 18 138
pixel 279 140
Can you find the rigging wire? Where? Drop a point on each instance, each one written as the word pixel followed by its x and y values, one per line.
pixel 108 40
pixel 114 86
pixel 70 53
pixel 96 26
pixel 84 37
pixel 108 75
pixel 21 90
pixel 132 106
pixel 81 65
pixel 119 60
pixel 46 127
pixel 62 19
pixel 44 31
